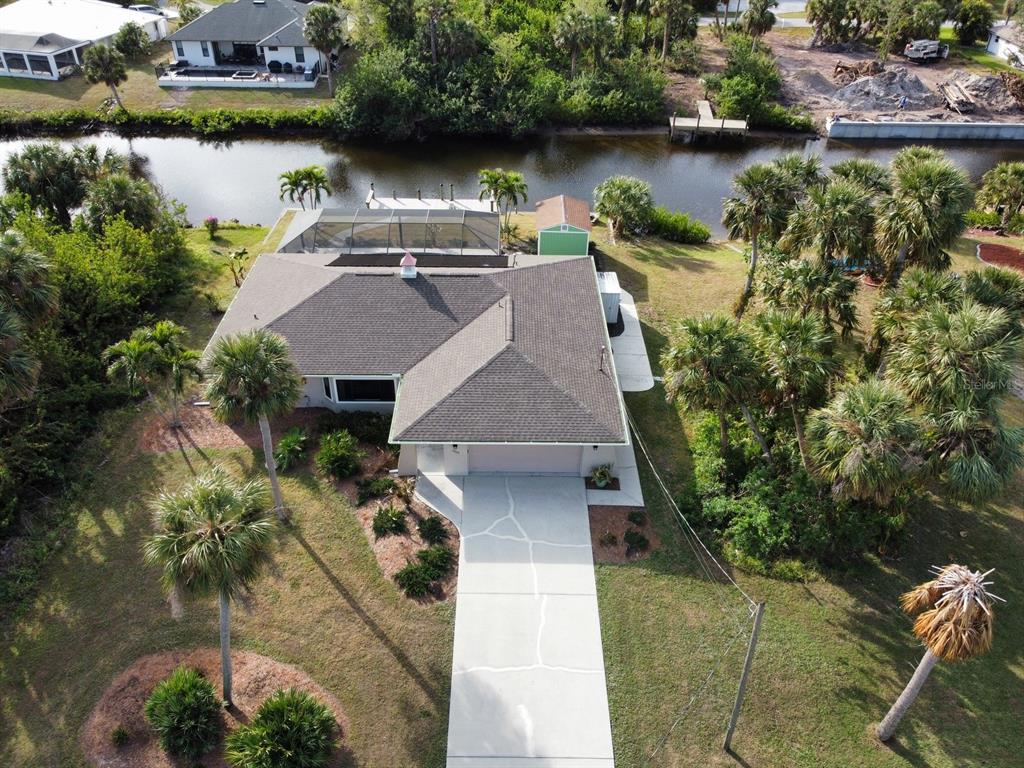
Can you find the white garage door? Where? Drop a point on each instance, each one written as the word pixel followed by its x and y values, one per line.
pixel 534 459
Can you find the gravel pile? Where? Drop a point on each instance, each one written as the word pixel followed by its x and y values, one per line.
pixel 988 91
pixel 885 91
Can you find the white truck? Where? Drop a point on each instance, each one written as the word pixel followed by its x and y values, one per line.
pixel 925 51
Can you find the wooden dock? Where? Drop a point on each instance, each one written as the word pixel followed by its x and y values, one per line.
pixel 705 124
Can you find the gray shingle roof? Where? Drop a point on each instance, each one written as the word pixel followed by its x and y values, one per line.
pixel 246 21
pixel 49 43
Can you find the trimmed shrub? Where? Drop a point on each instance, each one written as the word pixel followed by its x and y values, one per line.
pixel 291 729
pixel 132 41
pixel 375 487
pixel 637 517
pixel 368 427
pixel 607 539
pixel 290 448
pixel 982 219
pixel 415 579
pixel 432 530
pixel 635 541
pixel 339 454
pixel 677 227
pixel 185 712
pixel 389 520
pixel 438 559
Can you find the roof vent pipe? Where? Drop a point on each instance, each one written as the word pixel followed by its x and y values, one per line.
pixel 451 191
pixel 408 264
pixel 600 365
pixel 418 195
pixel 441 187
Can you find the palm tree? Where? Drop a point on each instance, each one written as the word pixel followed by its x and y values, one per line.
pixel 571 33
pixel 133 362
pixel 997 287
pixel 954 621
pixel 174 362
pixel 252 377
pixel 797 353
pixel 293 184
pixel 118 193
pixel 213 536
pixel 322 27
pixel 26 287
pixel 19 368
pixel 624 202
pixel 805 287
pixel 864 442
pixel 924 214
pixel 315 183
pixel 758 207
pixel 711 367
pixel 490 183
pixel 50 177
pixel 872 176
pixel 918 289
pixel 1002 190
pixel 758 19
pixel 104 64
pixel 669 11
pixel 835 221
pixel 513 191
pixel 432 12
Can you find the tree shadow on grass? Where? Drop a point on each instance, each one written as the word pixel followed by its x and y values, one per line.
pixel 393 648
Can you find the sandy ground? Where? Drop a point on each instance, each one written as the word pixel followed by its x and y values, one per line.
pixel 807 75
pixel 255 678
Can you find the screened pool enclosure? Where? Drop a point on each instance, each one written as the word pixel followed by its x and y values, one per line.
pixel 382 232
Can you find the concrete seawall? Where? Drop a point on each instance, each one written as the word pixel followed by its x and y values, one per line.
pixel 932 131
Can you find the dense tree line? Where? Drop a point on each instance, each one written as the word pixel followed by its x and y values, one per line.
pixel 90 249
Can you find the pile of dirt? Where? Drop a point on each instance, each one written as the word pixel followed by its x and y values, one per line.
pixel 987 91
pixel 808 80
pixel 886 90
pixel 1015 86
pixel 255 679
pixel 845 73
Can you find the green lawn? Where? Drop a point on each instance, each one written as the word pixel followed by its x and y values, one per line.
pixel 972 54
pixel 141 91
pixel 834 652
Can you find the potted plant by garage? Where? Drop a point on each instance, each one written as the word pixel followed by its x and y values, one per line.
pixel 601 479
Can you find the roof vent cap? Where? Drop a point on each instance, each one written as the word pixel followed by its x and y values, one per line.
pixel 408 265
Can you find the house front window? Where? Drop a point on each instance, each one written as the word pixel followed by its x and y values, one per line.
pixel 359 390
pixel 300 54
pixel 179 49
pixel 206 49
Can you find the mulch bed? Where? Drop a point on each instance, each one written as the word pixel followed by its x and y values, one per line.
pixel 606 520
pixel 395 551
pixel 255 679
pixel 1001 255
pixel 201 430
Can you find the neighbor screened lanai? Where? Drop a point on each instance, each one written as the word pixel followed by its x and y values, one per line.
pixel 383 232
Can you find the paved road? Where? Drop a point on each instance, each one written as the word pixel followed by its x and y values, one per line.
pixel 528 682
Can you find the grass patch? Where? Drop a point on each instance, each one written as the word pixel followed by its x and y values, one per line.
pixel 972 54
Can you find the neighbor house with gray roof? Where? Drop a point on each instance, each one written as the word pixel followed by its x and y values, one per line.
pixel 482 369
pixel 245 43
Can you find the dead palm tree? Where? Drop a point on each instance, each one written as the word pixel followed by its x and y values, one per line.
pixel 252 377
pixel 214 536
pixel 954 621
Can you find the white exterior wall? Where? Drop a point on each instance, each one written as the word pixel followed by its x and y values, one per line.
pixel 193 53
pixel 286 55
pixel 1001 47
pixel 596 455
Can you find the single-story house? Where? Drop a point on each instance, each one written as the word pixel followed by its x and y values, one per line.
pixel 46 39
pixel 245 43
pixel 1005 41
pixel 563 226
pixel 482 369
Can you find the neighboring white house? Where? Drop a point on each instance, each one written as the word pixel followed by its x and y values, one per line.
pixel 1005 41
pixel 245 43
pixel 45 39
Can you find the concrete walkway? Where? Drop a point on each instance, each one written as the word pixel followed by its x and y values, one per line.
pixel 528 682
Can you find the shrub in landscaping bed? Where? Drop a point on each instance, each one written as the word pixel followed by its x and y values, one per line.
pixel 339 454
pixel 290 448
pixel 983 219
pixel 608 539
pixel 375 487
pixel 291 729
pixel 119 737
pixel 438 560
pixel 635 541
pixel 677 227
pixel 637 517
pixel 389 519
pixel 432 530
pixel 185 712
pixel 415 579
pixel 368 427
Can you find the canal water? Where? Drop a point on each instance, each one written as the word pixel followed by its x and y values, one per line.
pixel 239 179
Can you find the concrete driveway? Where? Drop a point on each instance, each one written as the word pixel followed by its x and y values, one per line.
pixel 528 682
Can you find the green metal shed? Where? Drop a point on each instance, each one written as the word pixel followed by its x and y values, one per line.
pixel 563 227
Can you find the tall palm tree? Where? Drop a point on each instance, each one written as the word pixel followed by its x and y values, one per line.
pixel 315 184
pixel 19 368
pixel 571 32
pixel 998 287
pixel 491 180
pixel 293 184
pixel 954 621
pixel 322 27
pixel 252 377
pixel 26 286
pixel 432 12
pixel 918 289
pixel 872 176
pixel 865 441
pixel 797 353
pixel 758 19
pixel 213 537
pixel 105 64
pixel 923 215
pixel 711 367
pixel 757 207
pixel 50 177
pixel 668 10
pixel 806 287
pixel 513 191
pixel 835 221
pixel 1002 190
